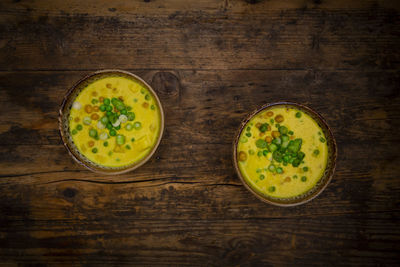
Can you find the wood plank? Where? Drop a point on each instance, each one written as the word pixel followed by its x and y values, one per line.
pixel 276 37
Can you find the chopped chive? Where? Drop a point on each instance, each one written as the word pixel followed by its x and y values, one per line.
pixel 295 176
pixel 79 127
pixel 74 131
pixel 303 178
pixel 152 107
pixel 260 153
pixel 251 152
pixel 279 170
pixel 94 150
pixel 106 101
pixel 265 152
pixel 290 132
pixel 305 169
pixel 243 139
pixel 105 143
pixel 128 147
pixel 248 128
pixel 262 176
pixel 258 170
pixel 248 134
pixel 133 139
pixel 271 121
pixel 147 97
pixel 298 114
pixel 316 152
pixel 322 140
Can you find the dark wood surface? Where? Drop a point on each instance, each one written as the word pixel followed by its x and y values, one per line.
pixel 211 62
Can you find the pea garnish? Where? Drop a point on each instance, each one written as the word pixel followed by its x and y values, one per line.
pixel 283 130
pixel 147 97
pixel 264 127
pixel 74 131
pixel 271 167
pixel 113 132
pixel 94 150
pixel 279 170
pixel 92 133
pixel 265 152
pixel 248 134
pixel 128 126
pixel 271 189
pixel 298 114
pixel 303 178
pixel 271 121
pixel 131 116
pixel 137 125
pixel 260 143
pixel 106 101
pixel 262 176
pixel 79 127
pixel 103 107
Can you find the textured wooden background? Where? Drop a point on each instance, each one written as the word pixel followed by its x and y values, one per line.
pixel 212 62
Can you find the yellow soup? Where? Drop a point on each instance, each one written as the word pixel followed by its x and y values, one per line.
pixel 282 152
pixel 115 121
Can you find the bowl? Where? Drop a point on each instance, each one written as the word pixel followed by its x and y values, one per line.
pixel 327 175
pixel 64 125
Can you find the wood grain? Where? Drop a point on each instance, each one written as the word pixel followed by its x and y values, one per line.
pixel 211 62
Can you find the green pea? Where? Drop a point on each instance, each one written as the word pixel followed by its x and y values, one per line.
pixel 128 147
pixel 79 127
pixel 264 127
pixel 271 189
pixel 305 169
pixel 262 176
pixel 279 170
pixel 113 132
pixel 271 167
pixel 298 114
pixel 303 178
pixel 290 132
pixel 137 125
pixel 106 101
pixel 131 116
pixel 104 120
pixel 94 150
pixel 105 143
pixel 120 139
pixel 109 108
pixel 265 152
pixel 283 130
pixel 271 121
pixel 124 111
pixel 109 126
pixel 248 134
pixel 94 101
pixel 103 107
pixel 128 126
pixel 74 131
pixel 260 143
pixel 92 133
pixel 109 113
pixel 133 139
pixel 244 139
pixel 147 97
pixel 322 140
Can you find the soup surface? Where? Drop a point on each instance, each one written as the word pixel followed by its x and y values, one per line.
pixel 115 121
pixel 282 152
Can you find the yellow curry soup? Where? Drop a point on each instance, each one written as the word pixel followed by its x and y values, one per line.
pixel 282 152
pixel 115 122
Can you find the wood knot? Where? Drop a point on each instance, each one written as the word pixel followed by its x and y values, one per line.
pixel 166 84
pixel 69 192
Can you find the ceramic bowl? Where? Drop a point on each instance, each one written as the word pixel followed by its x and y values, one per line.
pixel 64 125
pixel 327 175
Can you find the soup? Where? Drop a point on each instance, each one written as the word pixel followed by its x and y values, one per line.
pixel 115 122
pixel 282 152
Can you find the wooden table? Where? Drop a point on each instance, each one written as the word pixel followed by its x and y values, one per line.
pixel 211 62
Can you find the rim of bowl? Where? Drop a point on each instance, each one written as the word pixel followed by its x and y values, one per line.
pixel 306 198
pixel 99 169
